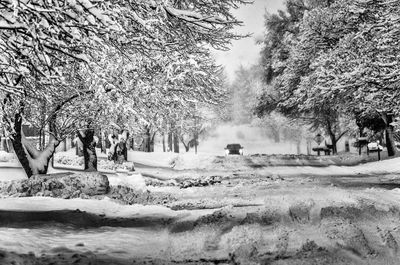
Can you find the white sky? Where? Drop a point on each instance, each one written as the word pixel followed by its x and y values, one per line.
pixel 245 51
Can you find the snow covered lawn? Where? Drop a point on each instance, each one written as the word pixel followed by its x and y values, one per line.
pixel 291 214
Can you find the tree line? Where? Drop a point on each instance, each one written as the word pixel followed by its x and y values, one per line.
pixel 334 65
pixel 78 66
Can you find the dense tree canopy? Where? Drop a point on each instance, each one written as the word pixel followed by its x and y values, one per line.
pixel 59 57
pixel 331 61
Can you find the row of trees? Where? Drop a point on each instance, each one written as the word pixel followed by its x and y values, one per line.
pixel 334 65
pixel 77 66
pixel 244 90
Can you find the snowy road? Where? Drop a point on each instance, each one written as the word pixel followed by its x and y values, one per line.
pixel 270 215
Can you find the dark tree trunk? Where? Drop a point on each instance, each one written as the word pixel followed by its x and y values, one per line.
pixel 391 148
pixel 43 143
pixel 390 145
pixel 169 141
pixel 126 146
pixel 361 130
pixel 334 143
pixel 147 141
pixel 72 141
pixel 187 146
pixel 132 143
pixel 163 142
pixel 176 143
pixel 333 137
pixel 32 161
pixel 89 149
pixel 151 146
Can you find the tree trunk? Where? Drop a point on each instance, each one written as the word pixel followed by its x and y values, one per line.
pixel 43 143
pixel 176 143
pixel 187 146
pixel 334 143
pixel 103 142
pixel 32 161
pixel 332 136
pixel 361 130
pixel 132 143
pixel 169 141
pixel 390 145
pixel 151 146
pixel 147 140
pixel 89 149
pixel 163 142
pixel 72 141
pixel 391 148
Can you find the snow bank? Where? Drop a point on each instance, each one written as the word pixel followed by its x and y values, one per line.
pixel 285 164
pixel 99 207
pixel 155 159
pixel 174 160
pixel 135 181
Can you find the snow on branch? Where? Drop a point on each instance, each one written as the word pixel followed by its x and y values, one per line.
pixel 194 17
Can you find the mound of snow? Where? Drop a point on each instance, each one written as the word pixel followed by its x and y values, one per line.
pixel 135 181
pixel 193 161
pixel 155 159
pixel 7 157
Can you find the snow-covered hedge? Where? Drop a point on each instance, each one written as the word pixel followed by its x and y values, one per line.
pixel 7 157
pixel 110 165
pixel 70 159
pixel 65 158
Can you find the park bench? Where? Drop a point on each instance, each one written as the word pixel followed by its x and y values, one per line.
pixel 326 149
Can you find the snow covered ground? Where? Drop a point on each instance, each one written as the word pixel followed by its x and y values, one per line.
pixel 251 215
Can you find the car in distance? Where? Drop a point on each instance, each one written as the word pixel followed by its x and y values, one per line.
pixel 234 149
pixel 374 147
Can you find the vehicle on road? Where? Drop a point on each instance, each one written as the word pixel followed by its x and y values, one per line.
pixel 234 149
pixel 373 147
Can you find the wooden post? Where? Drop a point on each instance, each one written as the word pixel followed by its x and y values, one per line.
pixel 379 153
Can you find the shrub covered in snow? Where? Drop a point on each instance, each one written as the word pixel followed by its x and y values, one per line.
pixel 7 157
pixel 66 158
pixel 70 159
pixel 110 165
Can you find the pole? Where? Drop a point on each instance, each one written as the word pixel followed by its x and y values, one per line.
pixel 379 152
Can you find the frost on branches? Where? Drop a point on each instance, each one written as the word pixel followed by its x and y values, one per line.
pixel 340 61
pixel 54 61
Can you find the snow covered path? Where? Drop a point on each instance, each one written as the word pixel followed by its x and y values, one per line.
pixel 295 215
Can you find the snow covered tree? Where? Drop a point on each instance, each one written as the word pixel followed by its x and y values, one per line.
pixel 243 92
pixel 305 32
pixel 360 73
pixel 38 40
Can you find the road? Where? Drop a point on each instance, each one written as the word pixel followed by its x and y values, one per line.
pixel 251 216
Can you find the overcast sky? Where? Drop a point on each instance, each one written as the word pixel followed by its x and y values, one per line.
pixel 245 51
